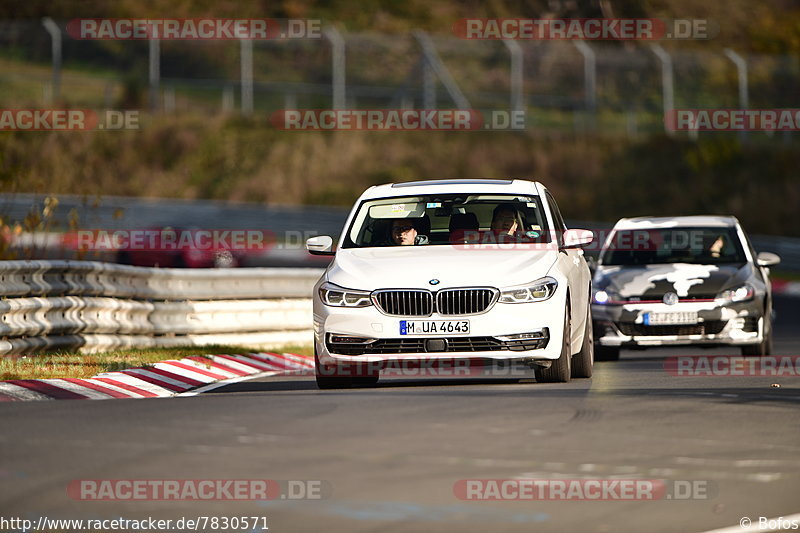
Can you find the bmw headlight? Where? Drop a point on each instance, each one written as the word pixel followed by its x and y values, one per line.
pixel 538 291
pixel 742 293
pixel 336 296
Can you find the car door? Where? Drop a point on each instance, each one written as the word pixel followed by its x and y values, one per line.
pixel 572 264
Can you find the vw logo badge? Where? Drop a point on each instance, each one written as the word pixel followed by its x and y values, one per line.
pixel 670 298
pixel 434 281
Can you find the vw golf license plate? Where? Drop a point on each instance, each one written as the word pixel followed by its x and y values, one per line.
pixel 432 327
pixel 668 319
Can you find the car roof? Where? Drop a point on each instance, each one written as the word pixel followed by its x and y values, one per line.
pixel 676 222
pixel 451 186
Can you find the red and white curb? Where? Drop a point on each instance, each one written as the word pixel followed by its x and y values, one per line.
pixel 188 376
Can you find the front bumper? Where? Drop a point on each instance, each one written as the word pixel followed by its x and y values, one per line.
pixel 729 324
pixel 494 334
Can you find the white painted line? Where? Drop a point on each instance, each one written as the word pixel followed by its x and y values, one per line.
pixel 751 523
pixel 218 384
pixel 77 389
pixel 22 393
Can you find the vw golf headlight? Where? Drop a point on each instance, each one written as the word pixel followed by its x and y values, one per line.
pixel 336 296
pixel 742 293
pixel 605 296
pixel 538 291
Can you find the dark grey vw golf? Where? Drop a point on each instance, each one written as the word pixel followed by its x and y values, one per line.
pixel 681 281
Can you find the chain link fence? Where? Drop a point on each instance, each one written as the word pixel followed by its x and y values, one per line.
pixel 565 85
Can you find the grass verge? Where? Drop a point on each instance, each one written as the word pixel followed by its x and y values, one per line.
pixel 77 365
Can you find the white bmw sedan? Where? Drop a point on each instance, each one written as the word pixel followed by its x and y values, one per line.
pixel 453 270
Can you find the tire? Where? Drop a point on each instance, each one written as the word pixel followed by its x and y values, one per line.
pixel 583 361
pixel 561 369
pixel 606 353
pixel 366 381
pixel 765 346
pixel 326 382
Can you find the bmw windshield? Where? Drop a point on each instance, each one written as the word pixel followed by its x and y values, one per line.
pixel 448 219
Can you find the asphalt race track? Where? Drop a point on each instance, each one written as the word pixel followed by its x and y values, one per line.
pixel 389 456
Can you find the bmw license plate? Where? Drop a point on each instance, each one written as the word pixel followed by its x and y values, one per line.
pixel 434 327
pixel 670 319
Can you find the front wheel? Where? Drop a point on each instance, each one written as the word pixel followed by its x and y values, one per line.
pixel 561 369
pixel 326 376
pixel 765 346
pixel 583 361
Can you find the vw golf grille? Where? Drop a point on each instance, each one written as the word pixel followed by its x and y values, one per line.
pixel 449 302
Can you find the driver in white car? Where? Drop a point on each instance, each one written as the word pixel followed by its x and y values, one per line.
pixel 403 232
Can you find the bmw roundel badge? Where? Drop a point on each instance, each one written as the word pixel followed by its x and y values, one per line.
pixel 434 281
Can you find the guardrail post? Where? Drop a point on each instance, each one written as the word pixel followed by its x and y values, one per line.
pixel 55 45
pixel 338 65
pixel 515 51
pixel 246 56
pixel 667 81
pixel 741 69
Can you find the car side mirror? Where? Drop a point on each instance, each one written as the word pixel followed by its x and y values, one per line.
pixel 765 259
pixel 320 245
pixel 577 238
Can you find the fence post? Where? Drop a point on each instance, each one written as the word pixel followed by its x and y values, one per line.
pixel 428 85
pixel 515 51
pixel 246 56
pixel 589 75
pixel 741 69
pixel 667 81
pixel 589 78
pixel 433 62
pixel 55 44
pixel 338 65
pixel 155 72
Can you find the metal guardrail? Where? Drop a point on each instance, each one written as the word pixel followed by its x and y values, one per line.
pixel 94 306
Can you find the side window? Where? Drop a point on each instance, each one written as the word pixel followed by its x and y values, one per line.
pixel 558 221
